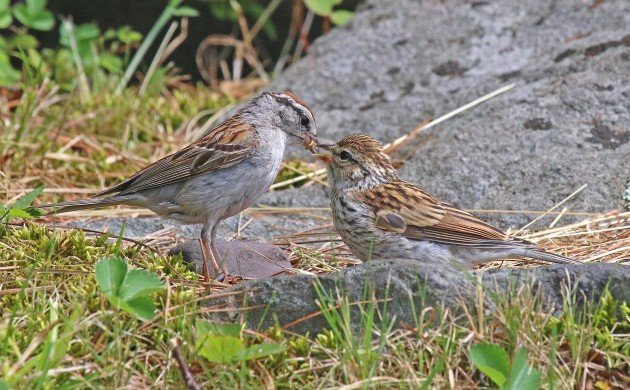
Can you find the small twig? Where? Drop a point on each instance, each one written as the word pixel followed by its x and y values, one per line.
pixel 189 380
pixel 397 142
pixel 296 20
pixel 177 41
pixel 551 209
pixel 303 37
pixel 249 53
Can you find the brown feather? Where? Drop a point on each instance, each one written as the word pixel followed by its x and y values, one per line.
pixel 226 145
pixel 426 217
pixel 416 207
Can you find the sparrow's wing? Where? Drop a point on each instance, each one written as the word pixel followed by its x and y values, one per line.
pixel 226 145
pixel 414 206
pixel 426 218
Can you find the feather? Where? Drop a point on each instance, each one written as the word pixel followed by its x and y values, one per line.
pixel 226 145
pixel 426 218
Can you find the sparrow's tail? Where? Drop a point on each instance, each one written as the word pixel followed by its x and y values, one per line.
pixel 539 254
pixel 65 207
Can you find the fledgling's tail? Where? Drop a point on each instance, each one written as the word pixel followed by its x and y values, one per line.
pixel 540 254
pixel 83 204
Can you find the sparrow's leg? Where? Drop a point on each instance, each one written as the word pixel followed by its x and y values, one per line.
pixel 204 261
pixel 218 260
pixel 206 250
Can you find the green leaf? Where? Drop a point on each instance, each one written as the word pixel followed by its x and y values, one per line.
pixel 30 16
pixel 36 5
pixel 261 350
pixel 35 212
pixel 128 290
pixel 522 376
pixel 5 18
pixel 341 17
pixel 21 13
pixel 186 11
pixel 43 21
pixel 24 41
pixel 83 33
pixel 139 283
pixel 143 307
pixel 18 213
pixel 126 35
pixel 4 5
pixel 8 75
pixel 220 349
pixel 206 327
pixel 3 385
pixel 26 200
pixel 110 62
pixel 110 275
pixel 86 32
pixel 492 360
pixel 321 7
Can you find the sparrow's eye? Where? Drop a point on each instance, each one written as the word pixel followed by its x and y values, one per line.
pixel 304 121
pixel 344 155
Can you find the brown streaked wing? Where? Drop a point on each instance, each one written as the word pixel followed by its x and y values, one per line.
pixel 460 228
pixel 427 218
pixel 416 207
pixel 462 221
pixel 226 145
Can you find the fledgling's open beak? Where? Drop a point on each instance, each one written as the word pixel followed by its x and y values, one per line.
pixel 325 157
pixel 309 140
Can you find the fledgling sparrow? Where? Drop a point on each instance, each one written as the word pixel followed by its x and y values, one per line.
pixel 380 216
pixel 219 175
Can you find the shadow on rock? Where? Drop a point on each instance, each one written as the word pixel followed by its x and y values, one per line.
pixel 246 259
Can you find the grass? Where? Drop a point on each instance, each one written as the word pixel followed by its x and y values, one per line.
pixel 60 141
pixel 57 329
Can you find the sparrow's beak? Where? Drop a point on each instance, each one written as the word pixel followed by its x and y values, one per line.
pixel 325 157
pixel 309 140
pixel 325 147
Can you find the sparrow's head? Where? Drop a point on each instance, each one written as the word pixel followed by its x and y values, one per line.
pixel 286 111
pixel 357 161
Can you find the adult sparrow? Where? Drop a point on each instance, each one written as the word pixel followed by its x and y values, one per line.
pixel 380 216
pixel 220 174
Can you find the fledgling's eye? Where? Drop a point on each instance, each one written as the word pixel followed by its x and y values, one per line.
pixel 304 121
pixel 344 155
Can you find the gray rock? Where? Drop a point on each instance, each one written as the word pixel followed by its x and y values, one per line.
pixel 247 259
pixel 405 288
pixel 567 123
pixel 267 227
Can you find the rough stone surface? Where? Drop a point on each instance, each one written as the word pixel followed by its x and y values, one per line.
pixel 246 259
pixel 566 123
pixel 408 287
pixel 265 227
